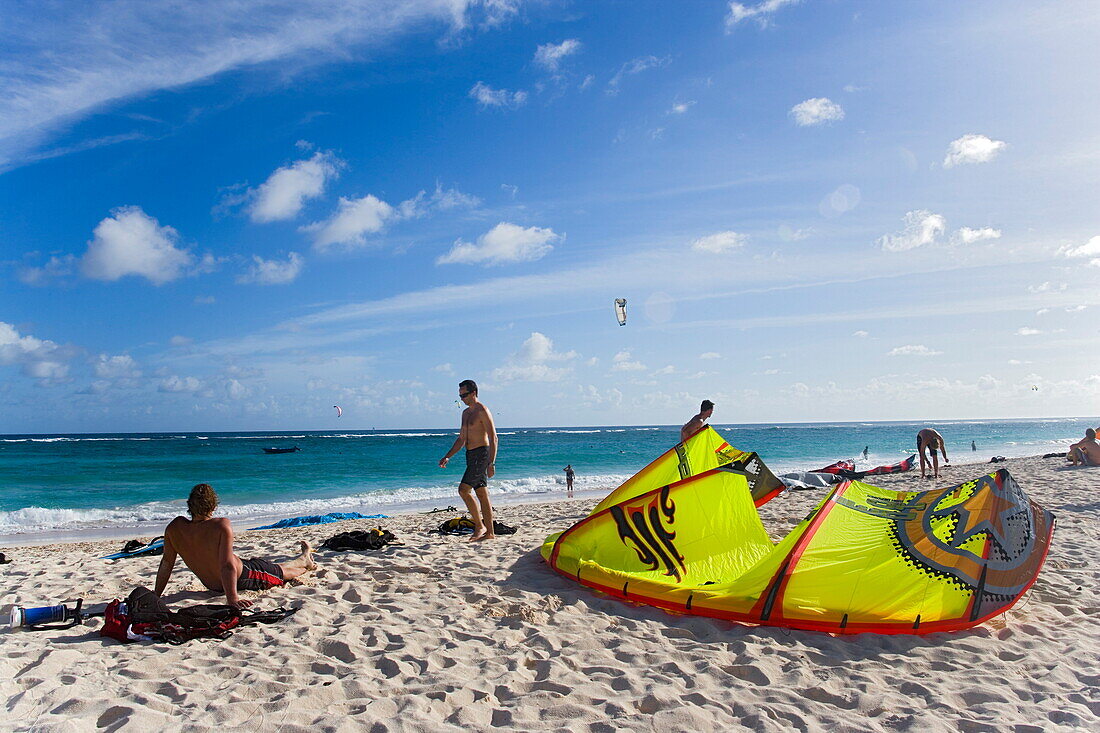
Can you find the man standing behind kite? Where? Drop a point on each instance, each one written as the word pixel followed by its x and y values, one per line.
pixel 479 435
pixel 695 424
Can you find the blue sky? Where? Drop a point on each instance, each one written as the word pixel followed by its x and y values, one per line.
pixel 236 215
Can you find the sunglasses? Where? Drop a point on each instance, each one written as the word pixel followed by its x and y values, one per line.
pixel 464 395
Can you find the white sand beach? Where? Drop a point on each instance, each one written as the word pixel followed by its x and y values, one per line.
pixel 439 634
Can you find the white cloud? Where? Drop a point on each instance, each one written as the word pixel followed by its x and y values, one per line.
pixel 860 334
pixel 205 300
pixel 550 55
pixel 353 220
pixel 972 149
pixel 38 358
pixel 74 59
pixel 284 193
pixel 816 111
pixel 180 341
pixel 624 362
pixel 1076 308
pixel 532 362
pixel 789 234
pixel 440 200
pixel 444 368
pixel 636 66
pixel 1047 287
pixel 273 272
pixel 760 12
pixel 486 96
pixel 1090 248
pixel 664 371
pixel 503 244
pixel 922 227
pixel 1025 331
pixel 913 350
pixel 966 235
pixel 179 384
pixel 55 268
pixel 46 371
pixel 130 242
pixel 679 108
pixel 591 396
pixel 539 348
pixel 710 355
pixel 720 242
pixel 122 366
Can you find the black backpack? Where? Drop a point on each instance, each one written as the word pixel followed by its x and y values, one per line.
pixel 371 539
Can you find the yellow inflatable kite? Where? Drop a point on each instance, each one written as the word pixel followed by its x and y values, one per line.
pixel 866 559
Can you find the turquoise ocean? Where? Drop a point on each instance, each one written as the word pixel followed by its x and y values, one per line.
pixel 112 483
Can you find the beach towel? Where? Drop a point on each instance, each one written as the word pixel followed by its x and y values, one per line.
pixel 373 539
pixel 319 519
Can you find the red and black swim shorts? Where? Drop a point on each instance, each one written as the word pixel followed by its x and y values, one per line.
pixel 259 574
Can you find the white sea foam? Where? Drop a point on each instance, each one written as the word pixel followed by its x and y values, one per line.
pixel 40 519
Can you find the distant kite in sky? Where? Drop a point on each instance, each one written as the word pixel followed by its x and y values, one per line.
pixel 339 412
pixel 620 310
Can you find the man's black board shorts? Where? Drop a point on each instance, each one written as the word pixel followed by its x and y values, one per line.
pixel 259 574
pixel 477 468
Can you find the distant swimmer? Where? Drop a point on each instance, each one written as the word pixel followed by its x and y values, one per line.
pixel 479 435
pixel 973 445
pixel 928 439
pixel 569 475
pixel 206 546
pixel 866 448
pixel 1085 452
pixel 695 424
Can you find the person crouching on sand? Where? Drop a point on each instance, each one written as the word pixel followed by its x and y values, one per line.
pixel 928 439
pixel 479 435
pixel 206 545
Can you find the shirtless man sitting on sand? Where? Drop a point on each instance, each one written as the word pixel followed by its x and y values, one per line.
pixel 931 440
pixel 479 435
pixel 1085 452
pixel 206 545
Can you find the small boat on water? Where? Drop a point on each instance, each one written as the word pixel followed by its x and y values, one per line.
pixel 295 449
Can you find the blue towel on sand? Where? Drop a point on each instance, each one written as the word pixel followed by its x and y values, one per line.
pixel 320 519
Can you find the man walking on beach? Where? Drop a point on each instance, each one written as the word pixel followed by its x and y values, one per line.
pixel 206 546
pixel 695 424
pixel 931 440
pixel 479 435
pixel 569 474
